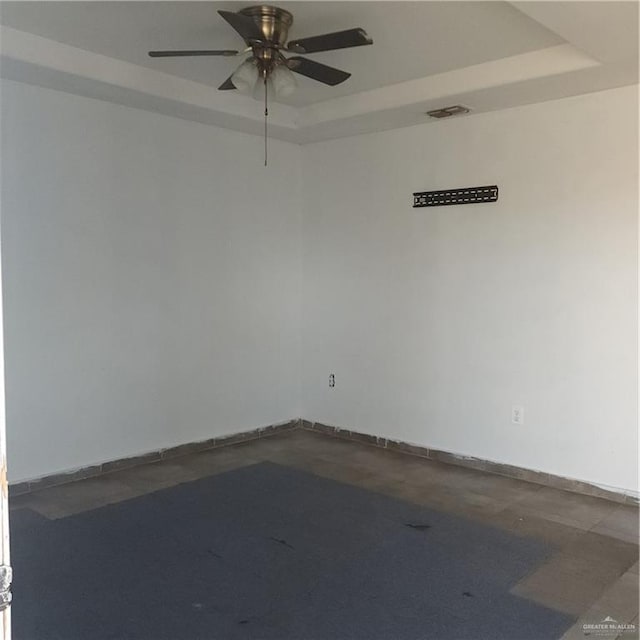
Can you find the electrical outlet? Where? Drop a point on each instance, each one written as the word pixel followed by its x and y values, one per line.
pixel 517 414
pixel 332 380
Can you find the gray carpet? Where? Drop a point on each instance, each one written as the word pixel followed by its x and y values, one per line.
pixel 269 552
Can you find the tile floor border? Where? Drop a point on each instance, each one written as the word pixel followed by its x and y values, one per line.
pixel 479 464
pixel 91 471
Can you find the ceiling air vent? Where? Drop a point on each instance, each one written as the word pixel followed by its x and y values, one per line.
pixel 455 110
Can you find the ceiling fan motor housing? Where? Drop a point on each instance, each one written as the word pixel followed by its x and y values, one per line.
pixel 274 24
pixel 272 21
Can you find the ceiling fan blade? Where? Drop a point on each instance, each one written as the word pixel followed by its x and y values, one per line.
pixel 329 41
pixel 226 85
pixel 317 71
pixel 172 54
pixel 244 25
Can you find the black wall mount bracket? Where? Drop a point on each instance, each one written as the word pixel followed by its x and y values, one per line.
pixel 467 195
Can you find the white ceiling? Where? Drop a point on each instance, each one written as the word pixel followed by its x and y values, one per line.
pixel 487 55
pixel 412 39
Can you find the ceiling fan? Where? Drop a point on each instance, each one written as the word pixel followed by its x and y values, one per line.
pixel 264 29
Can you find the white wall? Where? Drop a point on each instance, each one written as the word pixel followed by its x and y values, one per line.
pixel 151 280
pixel 153 290
pixel 436 321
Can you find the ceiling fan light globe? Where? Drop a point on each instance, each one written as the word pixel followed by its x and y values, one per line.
pixel 258 89
pixel 284 82
pixel 245 76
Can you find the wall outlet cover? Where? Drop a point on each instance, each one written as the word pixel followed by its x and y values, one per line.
pixel 517 414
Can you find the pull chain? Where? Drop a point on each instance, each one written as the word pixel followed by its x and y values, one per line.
pixel 266 113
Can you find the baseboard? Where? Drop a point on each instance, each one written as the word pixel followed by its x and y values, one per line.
pixel 520 473
pixel 21 488
pixel 447 457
